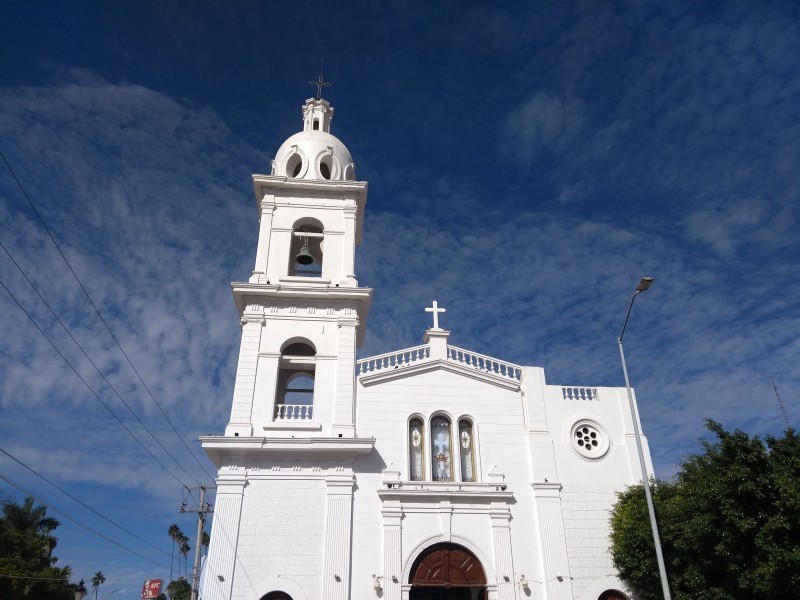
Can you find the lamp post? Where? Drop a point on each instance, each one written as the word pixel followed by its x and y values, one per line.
pixel 644 284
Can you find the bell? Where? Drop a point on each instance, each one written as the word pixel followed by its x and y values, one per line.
pixel 305 257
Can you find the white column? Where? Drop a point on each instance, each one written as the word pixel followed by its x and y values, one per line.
pixel 343 418
pixel 220 567
pixel 500 514
pixel 553 541
pixel 241 422
pixel 392 550
pixel 264 234
pixel 338 528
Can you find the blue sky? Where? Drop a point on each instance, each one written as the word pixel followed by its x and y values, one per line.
pixel 527 163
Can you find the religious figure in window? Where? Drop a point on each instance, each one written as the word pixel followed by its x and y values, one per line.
pixel 441 455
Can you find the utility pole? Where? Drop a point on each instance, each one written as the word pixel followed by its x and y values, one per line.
pixel 201 511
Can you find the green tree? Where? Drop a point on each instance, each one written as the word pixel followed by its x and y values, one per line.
pixel 26 554
pixel 729 523
pixel 179 589
pixel 98 580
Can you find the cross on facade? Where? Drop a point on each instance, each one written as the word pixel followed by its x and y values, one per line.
pixel 320 84
pixel 435 310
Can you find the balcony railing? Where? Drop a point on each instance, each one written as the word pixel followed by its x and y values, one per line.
pixel 294 412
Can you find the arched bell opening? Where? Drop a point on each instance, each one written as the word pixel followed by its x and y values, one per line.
pixel 447 572
pixel 306 251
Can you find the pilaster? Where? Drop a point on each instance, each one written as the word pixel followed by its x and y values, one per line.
pixel 553 542
pixel 241 421
pixel 500 515
pixel 392 550
pixel 220 568
pixel 267 208
pixel 343 417
pixel 338 531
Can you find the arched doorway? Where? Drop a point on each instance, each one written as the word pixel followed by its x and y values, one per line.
pixel 612 595
pixel 277 596
pixel 447 572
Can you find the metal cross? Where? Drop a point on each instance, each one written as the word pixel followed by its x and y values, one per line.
pixel 435 310
pixel 320 84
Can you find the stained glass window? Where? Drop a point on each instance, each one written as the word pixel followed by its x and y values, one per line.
pixel 441 454
pixel 416 450
pixel 466 450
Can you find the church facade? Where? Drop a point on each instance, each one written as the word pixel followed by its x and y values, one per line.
pixel 429 472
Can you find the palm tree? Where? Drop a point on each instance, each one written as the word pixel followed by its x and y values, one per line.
pixel 184 550
pixel 175 534
pixel 97 581
pixel 31 522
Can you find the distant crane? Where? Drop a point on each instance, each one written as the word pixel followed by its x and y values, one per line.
pixel 780 403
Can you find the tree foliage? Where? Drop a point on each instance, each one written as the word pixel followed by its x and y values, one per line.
pixel 179 589
pixel 26 554
pixel 729 523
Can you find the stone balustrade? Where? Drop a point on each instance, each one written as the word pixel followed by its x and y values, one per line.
pixel 579 393
pixel 483 363
pixel 392 360
pixel 294 412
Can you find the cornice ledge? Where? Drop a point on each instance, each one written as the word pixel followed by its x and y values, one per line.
pixel 455 492
pixel 218 447
pixel 426 365
pixel 283 182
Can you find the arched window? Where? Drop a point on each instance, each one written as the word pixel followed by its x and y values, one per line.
pixel 466 449
pixel 441 449
pixel 295 389
pixel 305 253
pixel 444 450
pixel 416 450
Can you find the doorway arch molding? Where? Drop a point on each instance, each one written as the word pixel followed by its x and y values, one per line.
pixel 488 566
pixel 602 584
pixel 276 584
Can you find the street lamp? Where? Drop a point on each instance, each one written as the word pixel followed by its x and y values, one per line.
pixel 644 284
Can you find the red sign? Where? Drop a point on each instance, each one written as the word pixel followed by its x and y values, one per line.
pixel 151 588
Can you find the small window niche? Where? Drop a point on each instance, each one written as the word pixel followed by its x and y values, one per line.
pixel 306 251
pixel 295 390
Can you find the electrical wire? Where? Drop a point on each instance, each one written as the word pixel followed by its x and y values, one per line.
pixel 102 319
pixel 96 368
pixel 82 503
pixel 78 522
pixel 100 400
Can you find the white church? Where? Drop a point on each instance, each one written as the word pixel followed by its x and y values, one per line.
pixel 431 472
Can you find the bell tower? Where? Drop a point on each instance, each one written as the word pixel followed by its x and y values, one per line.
pixel 285 462
pixel 302 311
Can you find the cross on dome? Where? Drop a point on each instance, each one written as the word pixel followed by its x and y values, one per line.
pixel 320 84
pixel 435 310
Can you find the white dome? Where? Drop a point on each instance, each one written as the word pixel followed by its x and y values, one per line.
pixel 314 153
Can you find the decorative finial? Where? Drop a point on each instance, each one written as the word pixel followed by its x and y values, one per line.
pixel 319 83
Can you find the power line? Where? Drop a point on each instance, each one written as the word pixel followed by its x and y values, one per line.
pixel 100 400
pixel 96 368
pixel 108 328
pixel 82 503
pixel 78 522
